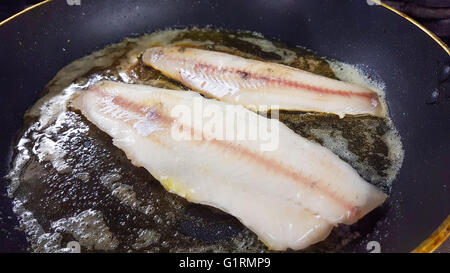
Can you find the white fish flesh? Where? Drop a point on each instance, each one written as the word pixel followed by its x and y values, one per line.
pixel 290 196
pixel 253 83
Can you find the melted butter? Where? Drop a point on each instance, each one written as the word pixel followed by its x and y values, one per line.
pixel 174 186
pixel 67 176
pixel 89 229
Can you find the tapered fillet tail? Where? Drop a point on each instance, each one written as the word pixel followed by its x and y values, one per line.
pixel 251 83
pixel 290 196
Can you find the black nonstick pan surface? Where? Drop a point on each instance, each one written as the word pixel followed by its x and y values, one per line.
pixel 414 67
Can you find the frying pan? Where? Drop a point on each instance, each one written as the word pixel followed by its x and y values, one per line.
pixel 414 65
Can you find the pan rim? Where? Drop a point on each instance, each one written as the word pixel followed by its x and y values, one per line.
pixel 417 24
pixel 440 235
pixel 23 11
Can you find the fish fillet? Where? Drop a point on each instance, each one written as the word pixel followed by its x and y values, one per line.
pixel 252 83
pixel 290 196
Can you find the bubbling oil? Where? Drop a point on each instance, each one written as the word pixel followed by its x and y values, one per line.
pixel 69 183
